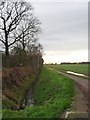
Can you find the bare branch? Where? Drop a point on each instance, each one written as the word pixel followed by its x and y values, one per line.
pixel 17 24
pixel 2 41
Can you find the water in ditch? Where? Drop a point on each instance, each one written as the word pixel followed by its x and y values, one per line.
pixel 28 101
pixel 29 97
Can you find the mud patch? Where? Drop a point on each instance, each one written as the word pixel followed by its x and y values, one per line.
pixel 79 106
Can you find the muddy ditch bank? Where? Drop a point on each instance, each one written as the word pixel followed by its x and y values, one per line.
pixel 28 98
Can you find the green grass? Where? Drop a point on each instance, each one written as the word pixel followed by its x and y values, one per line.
pixel 52 96
pixel 78 68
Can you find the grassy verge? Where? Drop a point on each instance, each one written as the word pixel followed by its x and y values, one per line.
pixel 52 96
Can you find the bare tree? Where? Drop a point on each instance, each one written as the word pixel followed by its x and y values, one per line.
pixel 29 30
pixel 12 16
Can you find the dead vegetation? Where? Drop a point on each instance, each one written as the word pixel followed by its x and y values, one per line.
pixel 15 82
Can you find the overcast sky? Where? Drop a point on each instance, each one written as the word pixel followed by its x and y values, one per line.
pixel 64 29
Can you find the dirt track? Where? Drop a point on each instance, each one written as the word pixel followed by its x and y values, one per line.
pixel 81 82
pixel 79 107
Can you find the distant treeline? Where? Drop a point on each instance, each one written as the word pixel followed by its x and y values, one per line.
pixel 75 63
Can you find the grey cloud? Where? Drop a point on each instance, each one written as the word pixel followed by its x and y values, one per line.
pixel 65 26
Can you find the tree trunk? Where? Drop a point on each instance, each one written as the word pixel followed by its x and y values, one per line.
pixel 23 42
pixel 6 44
pixel 7 56
pixel 7 50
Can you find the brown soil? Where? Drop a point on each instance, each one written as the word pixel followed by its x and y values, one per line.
pixel 80 102
pixel 79 106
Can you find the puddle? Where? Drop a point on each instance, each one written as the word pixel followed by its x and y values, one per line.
pixel 74 73
pixel 78 74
